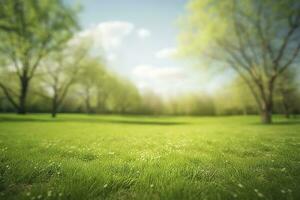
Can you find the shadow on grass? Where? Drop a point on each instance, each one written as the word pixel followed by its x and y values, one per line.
pixel 295 122
pixel 112 121
pixel 281 123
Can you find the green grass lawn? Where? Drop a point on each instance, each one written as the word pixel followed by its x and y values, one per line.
pixel 114 157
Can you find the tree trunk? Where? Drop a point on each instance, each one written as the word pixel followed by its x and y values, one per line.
pixel 266 116
pixel 267 110
pixel 23 95
pixel 54 108
pixel 267 106
pixel 87 104
pixel 53 114
pixel 286 109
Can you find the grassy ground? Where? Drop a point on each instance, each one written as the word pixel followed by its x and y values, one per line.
pixel 113 157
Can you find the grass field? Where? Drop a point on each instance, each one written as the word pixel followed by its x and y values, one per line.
pixel 115 157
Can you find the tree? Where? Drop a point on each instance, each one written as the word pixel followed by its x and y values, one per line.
pixel 235 98
pixel 125 97
pixel 258 39
pixel 104 87
pixel 89 80
pixel 29 31
pixel 287 91
pixel 152 103
pixel 61 71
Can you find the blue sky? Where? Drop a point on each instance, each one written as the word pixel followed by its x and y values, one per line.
pixel 139 41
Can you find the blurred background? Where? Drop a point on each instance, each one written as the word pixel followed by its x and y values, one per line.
pixel 171 57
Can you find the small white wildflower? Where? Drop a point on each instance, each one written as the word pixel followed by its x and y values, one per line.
pixel 105 185
pixel 60 194
pixel 240 185
pixel 282 191
pixel 151 185
pixel 260 194
pixel 28 194
pixel 49 193
pixel 283 169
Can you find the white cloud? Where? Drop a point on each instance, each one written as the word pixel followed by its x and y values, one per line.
pixel 166 53
pixel 143 33
pixel 107 35
pixel 159 73
pixel 111 56
pixel 164 81
pixel 142 85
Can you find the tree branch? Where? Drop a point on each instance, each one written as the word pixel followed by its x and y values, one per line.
pixel 291 60
pixel 283 46
pixel 8 95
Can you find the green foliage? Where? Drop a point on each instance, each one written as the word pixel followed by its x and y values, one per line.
pixel 103 91
pixel 44 66
pixel 235 98
pixel 31 26
pixel 125 97
pixel 191 104
pixel 210 22
pixel 258 39
pixel 113 157
pixel 29 31
pixel 288 94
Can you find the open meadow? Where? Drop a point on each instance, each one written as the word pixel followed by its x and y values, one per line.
pixel 118 157
pixel 150 100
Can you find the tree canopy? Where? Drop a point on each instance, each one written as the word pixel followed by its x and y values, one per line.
pixel 29 31
pixel 258 39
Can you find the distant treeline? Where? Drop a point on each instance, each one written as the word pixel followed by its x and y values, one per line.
pixel 98 91
pixel 45 68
